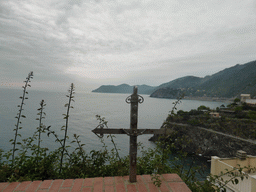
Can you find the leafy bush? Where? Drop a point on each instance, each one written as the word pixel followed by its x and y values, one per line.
pixel 193 122
pixel 202 107
pixel 252 115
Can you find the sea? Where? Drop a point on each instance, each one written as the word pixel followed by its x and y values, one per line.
pixel 82 118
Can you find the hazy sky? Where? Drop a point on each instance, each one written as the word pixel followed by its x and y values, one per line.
pixel 91 43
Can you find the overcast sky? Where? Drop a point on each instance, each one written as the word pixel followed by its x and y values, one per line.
pixel 91 43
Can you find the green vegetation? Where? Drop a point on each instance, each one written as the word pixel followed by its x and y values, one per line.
pixel 34 162
pixel 236 120
pixel 41 116
pixel 66 117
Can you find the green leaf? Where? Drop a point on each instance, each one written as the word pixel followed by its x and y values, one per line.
pixel 236 181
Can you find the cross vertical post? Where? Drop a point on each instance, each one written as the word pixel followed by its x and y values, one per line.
pixel 134 101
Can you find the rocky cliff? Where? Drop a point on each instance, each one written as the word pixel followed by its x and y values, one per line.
pixel 192 139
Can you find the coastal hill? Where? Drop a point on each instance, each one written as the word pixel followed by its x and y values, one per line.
pixel 124 88
pixel 228 83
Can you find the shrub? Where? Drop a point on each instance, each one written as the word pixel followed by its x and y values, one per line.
pixel 252 115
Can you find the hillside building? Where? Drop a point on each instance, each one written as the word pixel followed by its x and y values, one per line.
pixel 246 98
pixel 251 102
pixel 215 114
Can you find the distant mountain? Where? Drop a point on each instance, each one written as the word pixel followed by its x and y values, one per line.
pixel 230 82
pixel 124 88
pixel 183 82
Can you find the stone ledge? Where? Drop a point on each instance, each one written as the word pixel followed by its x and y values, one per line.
pixel 170 183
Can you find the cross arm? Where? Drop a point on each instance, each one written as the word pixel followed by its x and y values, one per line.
pixel 102 131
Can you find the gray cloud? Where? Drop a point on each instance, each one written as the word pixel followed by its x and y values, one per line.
pixel 112 42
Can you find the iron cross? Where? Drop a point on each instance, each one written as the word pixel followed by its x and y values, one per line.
pixel 133 132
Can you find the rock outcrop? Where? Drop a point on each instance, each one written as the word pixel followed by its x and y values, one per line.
pixel 195 140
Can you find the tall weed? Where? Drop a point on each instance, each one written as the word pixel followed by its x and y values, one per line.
pixel 19 114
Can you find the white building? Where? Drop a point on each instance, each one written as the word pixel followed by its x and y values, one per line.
pixel 221 165
pixel 244 97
